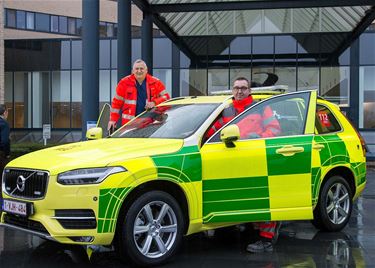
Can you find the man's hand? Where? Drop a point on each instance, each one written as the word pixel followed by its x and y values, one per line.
pixel 111 126
pixel 149 105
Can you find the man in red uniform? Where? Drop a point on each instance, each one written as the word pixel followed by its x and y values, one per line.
pixel 135 93
pixel 252 126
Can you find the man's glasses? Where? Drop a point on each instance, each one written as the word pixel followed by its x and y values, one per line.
pixel 240 88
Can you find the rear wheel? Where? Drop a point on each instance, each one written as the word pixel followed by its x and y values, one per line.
pixel 334 206
pixel 151 229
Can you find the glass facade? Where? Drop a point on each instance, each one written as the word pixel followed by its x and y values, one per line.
pixel 52 23
pixel 43 79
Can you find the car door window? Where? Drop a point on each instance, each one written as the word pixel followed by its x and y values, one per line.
pixel 283 115
pixel 325 121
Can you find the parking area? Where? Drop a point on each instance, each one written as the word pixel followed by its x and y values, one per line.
pixel 300 245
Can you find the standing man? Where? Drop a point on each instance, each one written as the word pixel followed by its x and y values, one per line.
pixel 256 126
pixel 4 145
pixel 136 93
pixel 4 137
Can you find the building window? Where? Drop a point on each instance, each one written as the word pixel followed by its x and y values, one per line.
pixel 63 24
pixel 308 78
pixel 72 26
pixel 22 93
pixel 11 18
pixel 102 29
pixel 21 19
pixel 287 77
pixel 61 99
pixel 30 18
pixel 79 26
pixel 367 51
pixel 55 24
pixel 8 96
pixel 110 30
pixel 104 87
pixel 263 49
pixel 367 97
pixel 76 99
pixel 165 75
pixel 193 82
pixel 42 22
pixel 334 84
pixel 41 93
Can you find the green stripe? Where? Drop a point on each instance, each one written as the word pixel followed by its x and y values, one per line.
pixel 234 183
pixel 241 217
pixel 184 165
pixel 334 152
pixel 359 171
pixel 235 194
pixel 315 183
pixel 225 205
pixel 279 164
pixel 110 201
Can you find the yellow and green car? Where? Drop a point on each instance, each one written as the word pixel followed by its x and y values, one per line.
pixel 161 177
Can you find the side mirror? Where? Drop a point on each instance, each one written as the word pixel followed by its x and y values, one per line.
pixel 229 135
pixel 94 133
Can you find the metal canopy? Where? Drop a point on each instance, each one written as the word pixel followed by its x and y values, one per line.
pixel 187 18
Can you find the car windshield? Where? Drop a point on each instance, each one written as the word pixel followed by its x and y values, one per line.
pixel 171 121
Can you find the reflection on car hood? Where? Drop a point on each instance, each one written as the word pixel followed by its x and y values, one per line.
pixel 94 153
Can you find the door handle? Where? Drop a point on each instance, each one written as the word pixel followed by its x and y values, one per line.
pixel 318 146
pixel 289 150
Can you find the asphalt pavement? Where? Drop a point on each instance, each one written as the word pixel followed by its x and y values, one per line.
pixel 299 245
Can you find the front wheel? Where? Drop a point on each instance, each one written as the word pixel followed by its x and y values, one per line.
pixel 334 206
pixel 151 229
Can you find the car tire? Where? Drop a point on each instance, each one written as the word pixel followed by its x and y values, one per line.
pixel 147 239
pixel 334 206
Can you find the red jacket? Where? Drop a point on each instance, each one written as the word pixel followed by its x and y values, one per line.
pixel 253 125
pixel 126 96
pixel 237 107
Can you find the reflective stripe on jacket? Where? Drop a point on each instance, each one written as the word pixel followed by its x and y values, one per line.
pixel 267 229
pixel 259 125
pixel 125 98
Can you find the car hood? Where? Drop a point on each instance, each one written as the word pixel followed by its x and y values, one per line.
pixel 96 153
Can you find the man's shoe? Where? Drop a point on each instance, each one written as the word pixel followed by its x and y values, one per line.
pixel 259 247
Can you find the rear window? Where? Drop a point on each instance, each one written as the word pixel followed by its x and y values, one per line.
pixel 325 121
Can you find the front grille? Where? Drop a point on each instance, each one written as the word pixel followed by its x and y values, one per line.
pixel 25 223
pixel 31 184
pixel 76 218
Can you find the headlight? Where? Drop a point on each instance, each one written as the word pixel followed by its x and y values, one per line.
pixel 87 175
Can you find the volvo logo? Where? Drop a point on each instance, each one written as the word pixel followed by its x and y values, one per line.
pixel 21 183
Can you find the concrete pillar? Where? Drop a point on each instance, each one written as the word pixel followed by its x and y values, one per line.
pixel 124 41
pixel 147 41
pixel 90 57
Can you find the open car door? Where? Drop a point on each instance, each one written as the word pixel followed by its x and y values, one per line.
pixel 262 178
pixel 104 119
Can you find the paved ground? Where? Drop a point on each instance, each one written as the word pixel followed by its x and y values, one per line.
pixel 300 245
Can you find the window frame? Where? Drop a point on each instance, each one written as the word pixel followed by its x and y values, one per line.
pixel 317 120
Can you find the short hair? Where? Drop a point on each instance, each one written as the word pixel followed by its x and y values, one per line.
pixel 3 108
pixel 140 61
pixel 242 78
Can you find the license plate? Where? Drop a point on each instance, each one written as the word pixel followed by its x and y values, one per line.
pixel 17 207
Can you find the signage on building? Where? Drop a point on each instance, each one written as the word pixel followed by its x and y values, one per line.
pixel 46 132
